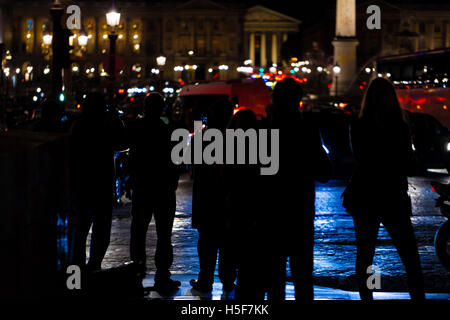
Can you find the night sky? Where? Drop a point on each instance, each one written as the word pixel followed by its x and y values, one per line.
pixel 310 11
pixel 306 11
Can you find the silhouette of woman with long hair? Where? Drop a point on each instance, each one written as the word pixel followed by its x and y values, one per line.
pixel 382 149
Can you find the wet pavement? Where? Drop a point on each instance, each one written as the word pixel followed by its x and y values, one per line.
pixel 334 242
pixel 185 292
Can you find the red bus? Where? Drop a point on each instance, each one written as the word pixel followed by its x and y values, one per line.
pixel 421 80
pixel 194 100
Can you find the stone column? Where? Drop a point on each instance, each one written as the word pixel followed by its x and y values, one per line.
pixel 345 18
pixel 263 51
pixel 252 47
pixel 345 44
pixel 97 36
pixel 416 40
pixel 274 48
pixel 192 27
pixel 128 47
pixel 280 45
pixel 208 36
pixel 162 33
pixel 447 34
pixel 34 45
pixel 429 31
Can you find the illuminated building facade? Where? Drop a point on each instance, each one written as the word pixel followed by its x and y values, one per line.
pixel 200 39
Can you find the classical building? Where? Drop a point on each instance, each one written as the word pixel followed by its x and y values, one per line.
pixel 265 32
pixel 405 28
pixel 200 38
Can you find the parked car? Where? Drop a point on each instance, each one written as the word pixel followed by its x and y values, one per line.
pixel 334 125
pixel 431 141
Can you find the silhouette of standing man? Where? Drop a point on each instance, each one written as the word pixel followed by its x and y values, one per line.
pixel 93 140
pixel 243 189
pixel 154 182
pixel 209 214
pixel 291 194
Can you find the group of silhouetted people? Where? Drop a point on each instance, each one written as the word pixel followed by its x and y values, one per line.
pixel 250 223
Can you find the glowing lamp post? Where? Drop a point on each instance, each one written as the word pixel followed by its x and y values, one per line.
pixel 82 39
pixel 56 40
pixel 336 70
pixel 47 38
pixel 113 20
pixel 161 60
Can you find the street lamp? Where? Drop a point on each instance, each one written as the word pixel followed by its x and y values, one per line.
pixel 56 12
pixel 161 60
pixel 336 70
pixel 113 20
pixel 82 38
pixel 47 38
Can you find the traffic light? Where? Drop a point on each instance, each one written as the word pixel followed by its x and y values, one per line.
pixel 62 97
pixel 66 49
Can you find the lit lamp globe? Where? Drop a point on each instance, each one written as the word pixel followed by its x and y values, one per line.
pixel 113 19
pixel 82 39
pixel 161 60
pixel 336 69
pixel 47 39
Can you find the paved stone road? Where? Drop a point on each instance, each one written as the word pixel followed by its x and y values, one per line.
pixel 335 244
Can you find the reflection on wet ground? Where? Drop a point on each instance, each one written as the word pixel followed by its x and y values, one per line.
pixel 334 240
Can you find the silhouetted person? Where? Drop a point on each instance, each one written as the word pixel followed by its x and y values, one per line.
pixel 383 152
pixel 154 181
pixel 291 194
pixel 209 214
pixel 243 206
pixel 92 178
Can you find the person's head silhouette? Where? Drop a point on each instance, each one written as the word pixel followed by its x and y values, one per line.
pixel 153 106
pixel 380 104
pixel 94 106
pixel 287 95
pixel 244 119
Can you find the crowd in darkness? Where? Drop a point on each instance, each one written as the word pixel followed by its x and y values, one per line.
pixel 253 223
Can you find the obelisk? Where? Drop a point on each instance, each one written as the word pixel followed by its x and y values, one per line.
pixel 345 44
